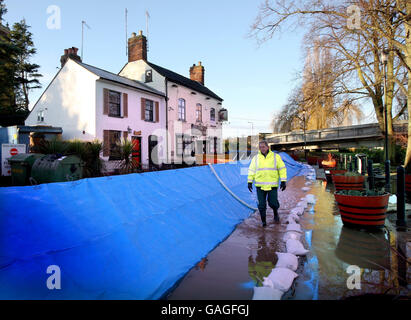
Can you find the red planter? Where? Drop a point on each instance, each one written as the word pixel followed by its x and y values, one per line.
pixel 312 160
pixel 348 183
pixel 333 172
pixel 363 211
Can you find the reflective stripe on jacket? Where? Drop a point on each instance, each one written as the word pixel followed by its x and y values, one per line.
pixel 267 171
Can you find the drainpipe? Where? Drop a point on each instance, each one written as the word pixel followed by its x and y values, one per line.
pixel 166 83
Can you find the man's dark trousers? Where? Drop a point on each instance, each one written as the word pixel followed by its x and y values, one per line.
pixel 262 201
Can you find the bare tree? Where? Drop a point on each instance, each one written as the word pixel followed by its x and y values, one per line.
pixel 316 98
pixel 383 24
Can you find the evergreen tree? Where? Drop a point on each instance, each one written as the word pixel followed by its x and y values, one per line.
pixel 27 75
pixel 7 67
pixel 3 10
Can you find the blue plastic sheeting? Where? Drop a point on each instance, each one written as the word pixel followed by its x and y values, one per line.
pixel 122 237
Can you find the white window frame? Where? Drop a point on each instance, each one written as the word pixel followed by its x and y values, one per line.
pixel 181 111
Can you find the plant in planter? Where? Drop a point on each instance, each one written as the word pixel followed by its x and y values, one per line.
pixel 348 181
pixel 329 173
pixel 365 208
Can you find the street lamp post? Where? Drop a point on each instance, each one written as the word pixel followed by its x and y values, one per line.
pixel 384 60
pixel 305 137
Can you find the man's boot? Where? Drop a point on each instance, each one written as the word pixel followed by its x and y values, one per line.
pixel 263 217
pixel 276 217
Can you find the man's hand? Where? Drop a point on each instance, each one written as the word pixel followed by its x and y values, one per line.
pixel 283 186
pixel 250 187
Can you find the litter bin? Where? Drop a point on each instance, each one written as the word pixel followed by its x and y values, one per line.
pixel 21 165
pixel 57 168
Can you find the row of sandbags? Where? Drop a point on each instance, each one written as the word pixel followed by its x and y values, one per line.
pixel 282 276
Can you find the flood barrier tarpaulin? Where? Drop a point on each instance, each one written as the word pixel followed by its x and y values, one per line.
pixel 121 237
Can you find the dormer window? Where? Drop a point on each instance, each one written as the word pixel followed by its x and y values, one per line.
pixel 149 76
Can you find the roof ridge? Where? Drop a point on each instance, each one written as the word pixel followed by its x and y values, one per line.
pixel 114 74
pixel 143 85
pixel 177 74
pixel 200 88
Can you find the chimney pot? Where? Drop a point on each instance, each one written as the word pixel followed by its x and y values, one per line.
pixel 134 35
pixel 69 53
pixel 197 73
pixel 137 47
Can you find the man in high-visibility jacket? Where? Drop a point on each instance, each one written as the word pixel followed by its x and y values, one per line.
pixel 267 169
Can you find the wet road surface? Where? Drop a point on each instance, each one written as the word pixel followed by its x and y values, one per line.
pixel 240 262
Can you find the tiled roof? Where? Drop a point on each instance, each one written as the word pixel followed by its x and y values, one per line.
pixel 177 78
pixel 106 75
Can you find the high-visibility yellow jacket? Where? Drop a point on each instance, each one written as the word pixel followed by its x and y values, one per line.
pixel 267 171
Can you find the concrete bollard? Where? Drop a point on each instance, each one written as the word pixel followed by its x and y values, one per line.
pixel 401 197
pixel 371 180
pixel 387 176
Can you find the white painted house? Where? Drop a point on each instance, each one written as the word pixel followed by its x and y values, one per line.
pixel 194 112
pixel 90 103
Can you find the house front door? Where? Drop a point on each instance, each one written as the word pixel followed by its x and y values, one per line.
pixel 136 154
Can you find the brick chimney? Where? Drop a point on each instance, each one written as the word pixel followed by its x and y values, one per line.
pixel 137 47
pixel 69 53
pixel 197 73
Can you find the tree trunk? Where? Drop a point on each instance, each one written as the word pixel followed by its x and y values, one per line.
pixel 408 60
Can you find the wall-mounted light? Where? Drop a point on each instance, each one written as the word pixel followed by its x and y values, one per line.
pixel 129 130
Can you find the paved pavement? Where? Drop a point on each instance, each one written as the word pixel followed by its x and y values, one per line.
pixel 239 263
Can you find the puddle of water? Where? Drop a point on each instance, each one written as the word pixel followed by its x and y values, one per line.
pixel 240 263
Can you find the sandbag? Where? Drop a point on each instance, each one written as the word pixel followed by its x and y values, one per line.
pixel 310 198
pixel 280 279
pixel 267 293
pixel 302 204
pixel 291 235
pixel 295 247
pixel 287 260
pixel 291 219
pixel 295 217
pixel 305 189
pixel 294 227
pixel 297 211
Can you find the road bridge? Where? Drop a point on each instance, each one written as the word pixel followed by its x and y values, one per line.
pixel 357 136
